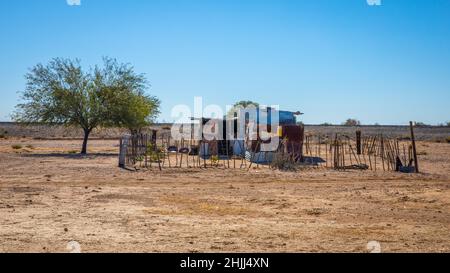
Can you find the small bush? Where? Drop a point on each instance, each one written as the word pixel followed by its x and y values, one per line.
pixel 72 152
pixel 139 158
pixel 315 211
pixel 447 139
pixel 215 159
pixel 154 153
pixel 283 163
pixel 17 147
pixel 2 136
pixel 30 147
pixel 352 122
pixel 421 124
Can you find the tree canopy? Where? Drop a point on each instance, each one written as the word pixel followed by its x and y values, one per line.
pixel 246 103
pixel 61 92
pixel 243 104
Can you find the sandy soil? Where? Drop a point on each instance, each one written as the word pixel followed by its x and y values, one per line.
pixel 49 197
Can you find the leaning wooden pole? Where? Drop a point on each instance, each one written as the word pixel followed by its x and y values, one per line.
pixel 413 140
pixel 358 142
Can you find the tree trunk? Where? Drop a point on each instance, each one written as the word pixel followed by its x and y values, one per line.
pixel 85 141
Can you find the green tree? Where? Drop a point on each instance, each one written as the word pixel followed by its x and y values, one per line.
pixel 130 107
pixel 246 103
pixel 62 93
pixel 135 112
pixel 243 104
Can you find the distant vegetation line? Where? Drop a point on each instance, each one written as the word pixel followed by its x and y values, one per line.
pixel 159 124
pixel 306 124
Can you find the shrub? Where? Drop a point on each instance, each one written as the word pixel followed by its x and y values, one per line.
pixel 447 139
pixel 315 211
pixel 2 136
pixel 283 163
pixel 352 122
pixel 30 146
pixel 215 160
pixel 422 124
pixel 17 147
pixel 154 153
pixel 72 152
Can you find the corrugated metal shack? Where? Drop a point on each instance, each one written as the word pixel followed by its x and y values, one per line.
pixel 260 142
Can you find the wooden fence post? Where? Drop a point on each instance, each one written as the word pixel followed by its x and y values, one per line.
pixel 413 140
pixel 121 155
pixel 358 142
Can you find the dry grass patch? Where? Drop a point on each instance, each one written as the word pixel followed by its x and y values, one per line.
pixel 316 211
pixel 364 232
pixel 180 205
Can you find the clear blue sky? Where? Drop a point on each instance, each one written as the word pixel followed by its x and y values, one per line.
pixel 332 59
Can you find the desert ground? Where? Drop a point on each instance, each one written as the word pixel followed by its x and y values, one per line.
pixel 50 196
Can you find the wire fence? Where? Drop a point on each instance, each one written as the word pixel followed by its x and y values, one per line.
pixel 336 151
